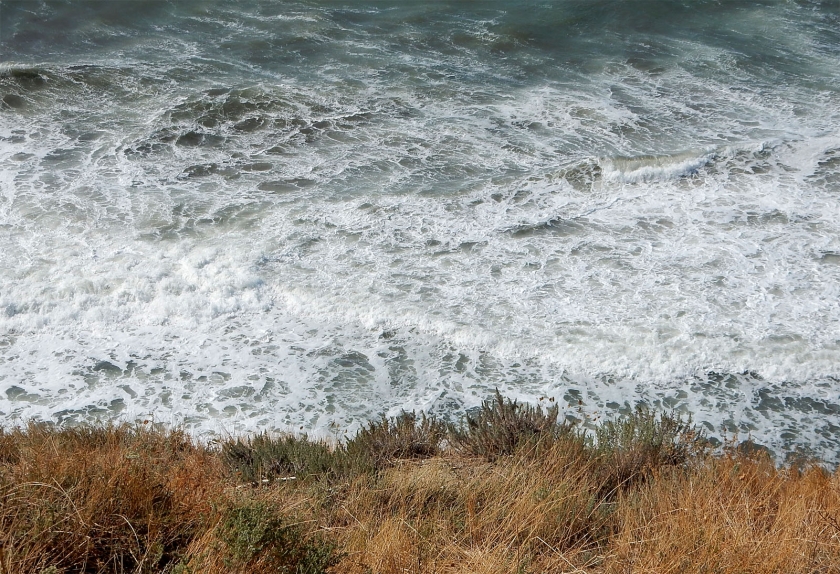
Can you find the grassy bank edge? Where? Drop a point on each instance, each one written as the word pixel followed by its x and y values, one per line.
pixel 509 488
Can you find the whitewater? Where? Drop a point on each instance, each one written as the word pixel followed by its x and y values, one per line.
pixel 252 215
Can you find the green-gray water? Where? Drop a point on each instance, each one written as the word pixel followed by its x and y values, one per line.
pixel 299 214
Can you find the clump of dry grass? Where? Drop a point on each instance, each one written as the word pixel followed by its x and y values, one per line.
pixel 733 514
pixel 457 511
pixel 114 498
pixel 524 494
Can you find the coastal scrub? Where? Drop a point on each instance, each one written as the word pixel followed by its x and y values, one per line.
pixel 508 490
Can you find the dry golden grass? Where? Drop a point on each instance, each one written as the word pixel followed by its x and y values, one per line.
pixel 466 515
pixel 733 515
pixel 132 500
pixel 115 499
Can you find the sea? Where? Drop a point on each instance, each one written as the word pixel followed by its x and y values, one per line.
pixel 237 216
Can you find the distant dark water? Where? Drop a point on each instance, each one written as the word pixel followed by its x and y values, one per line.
pixel 284 214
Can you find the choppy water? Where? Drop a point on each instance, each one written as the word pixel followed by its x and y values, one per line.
pixel 251 214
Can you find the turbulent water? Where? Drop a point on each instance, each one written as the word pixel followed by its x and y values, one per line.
pixel 286 215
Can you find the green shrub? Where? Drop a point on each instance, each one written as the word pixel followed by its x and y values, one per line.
pixel 630 447
pixel 255 532
pixel 401 437
pixel 264 457
pixel 501 426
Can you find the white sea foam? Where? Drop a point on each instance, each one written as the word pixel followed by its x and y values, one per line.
pixel 233 253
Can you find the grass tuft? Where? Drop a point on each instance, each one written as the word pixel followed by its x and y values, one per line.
pixel 100 499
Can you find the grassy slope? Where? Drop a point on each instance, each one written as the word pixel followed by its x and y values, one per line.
pixel 510 490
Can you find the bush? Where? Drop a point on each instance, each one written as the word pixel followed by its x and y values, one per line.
pixel 264 457
pixel 255 533
pixel 401 437
pixel 501 426
pixel 629 448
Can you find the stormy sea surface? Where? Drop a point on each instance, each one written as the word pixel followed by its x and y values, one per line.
pixel 298 215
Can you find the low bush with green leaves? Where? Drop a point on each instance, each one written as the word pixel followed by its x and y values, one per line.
pixel 405 436
pixel 630 447
pixel 266 457
pixel 502 425
pixel 255 533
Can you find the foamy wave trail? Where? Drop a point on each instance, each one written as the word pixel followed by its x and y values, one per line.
pixel 236 215
pixel 650 168
pixel 668 167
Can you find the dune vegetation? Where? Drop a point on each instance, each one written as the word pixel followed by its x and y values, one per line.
pixel 509 490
